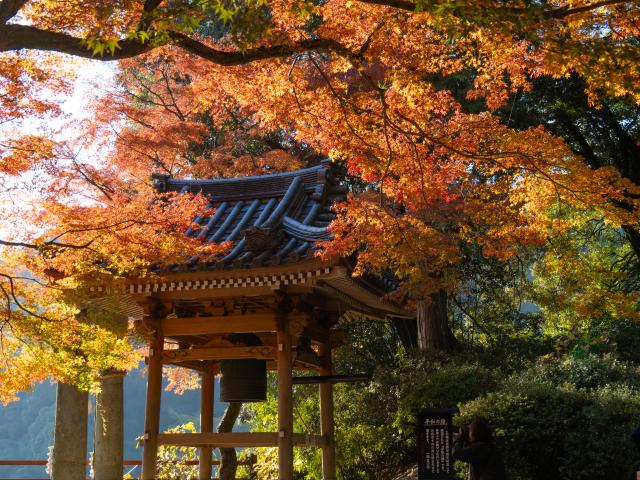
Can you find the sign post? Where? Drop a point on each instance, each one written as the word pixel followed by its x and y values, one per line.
pixel 435 440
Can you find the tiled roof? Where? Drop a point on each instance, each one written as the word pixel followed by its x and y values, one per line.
pixel 270 219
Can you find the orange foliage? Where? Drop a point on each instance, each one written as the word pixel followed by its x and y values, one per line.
pixel 181 380
pixel 363 81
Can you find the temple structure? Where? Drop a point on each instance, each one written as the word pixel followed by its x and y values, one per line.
pixel 267 304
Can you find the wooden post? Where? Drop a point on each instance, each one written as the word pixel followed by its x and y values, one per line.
pixel 108 435
pixel 326 417
pixel 285 398
pixel 152 414
pixel 206 417
pixel 70 434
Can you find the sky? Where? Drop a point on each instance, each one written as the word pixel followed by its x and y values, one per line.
pixel 92 78
pixel 93 75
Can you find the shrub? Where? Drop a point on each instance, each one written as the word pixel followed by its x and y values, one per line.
pixel 587 372
pixel 172 460
pixel 548 427
pixel 437 382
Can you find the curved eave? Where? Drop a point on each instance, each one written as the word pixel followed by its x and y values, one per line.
pixel 325 277
pixel 359 295
pixel 248 281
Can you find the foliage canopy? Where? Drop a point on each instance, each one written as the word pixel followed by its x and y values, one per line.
pixel 446 115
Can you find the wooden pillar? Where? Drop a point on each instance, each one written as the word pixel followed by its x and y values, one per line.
pixel 207 395
pixel 326 417
pixel 109 428
pixel 70 434
pixel 152 413
pixel 285 399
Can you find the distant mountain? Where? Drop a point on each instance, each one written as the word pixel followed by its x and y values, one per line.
pixel 26 426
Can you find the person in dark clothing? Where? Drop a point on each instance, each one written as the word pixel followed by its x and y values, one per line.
pixel 635 436
pixel 475 446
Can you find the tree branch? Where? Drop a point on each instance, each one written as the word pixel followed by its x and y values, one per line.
pixel 229 59
pixel 10 8
pixel 51 243
pixel 147 10
pixel 16 298
pixel 557 13
pixel 24 37
pixel 399 4
pixel 473 319
pixel 7 243
pixel 21 37
pixel 54 242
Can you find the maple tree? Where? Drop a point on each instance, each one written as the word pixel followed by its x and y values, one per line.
pixel 49 327
pixel 603 134
pixel 68 225
pixel 153 122
pixel 375 84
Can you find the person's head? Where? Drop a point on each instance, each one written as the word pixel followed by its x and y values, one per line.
pixel 480 431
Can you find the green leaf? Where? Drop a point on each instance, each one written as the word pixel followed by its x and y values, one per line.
pixel 112 45
pixel 226 15
pixel 98 48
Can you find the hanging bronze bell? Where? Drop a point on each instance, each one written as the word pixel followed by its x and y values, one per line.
pixel 243 380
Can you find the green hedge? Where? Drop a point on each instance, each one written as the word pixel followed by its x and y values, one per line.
pixel 567 419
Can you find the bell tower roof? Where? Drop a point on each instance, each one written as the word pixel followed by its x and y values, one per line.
pixel 269 219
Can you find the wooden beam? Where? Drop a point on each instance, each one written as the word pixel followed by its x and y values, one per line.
pixel 297 324
pixel 267 338
pixel 309 265
pixel 221 340
pixel 208 293
pixel 272 366
pixel 337 337
pixel 152 413
pixel 196 365
pixel 251 322
pixel 309 440
pixel 308 359
pixel 316 333
pixel 220 440
pixel 317 379
pixel 321 335
pixel 219 353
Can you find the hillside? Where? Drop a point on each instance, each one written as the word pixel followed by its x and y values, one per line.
pixel 26 426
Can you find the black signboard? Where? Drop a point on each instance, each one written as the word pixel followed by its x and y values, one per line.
pixel 435 432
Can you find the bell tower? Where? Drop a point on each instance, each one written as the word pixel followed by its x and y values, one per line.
pixel 269 303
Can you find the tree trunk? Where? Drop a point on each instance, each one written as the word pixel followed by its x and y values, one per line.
pixel 434 332
pixel 229 460
pixel 633 236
